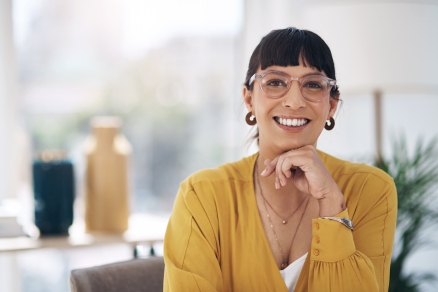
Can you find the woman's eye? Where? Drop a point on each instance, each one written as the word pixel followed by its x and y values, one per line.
pixel 275 82
pixel 313 85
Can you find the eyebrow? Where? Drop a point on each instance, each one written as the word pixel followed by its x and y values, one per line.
pixel 284 73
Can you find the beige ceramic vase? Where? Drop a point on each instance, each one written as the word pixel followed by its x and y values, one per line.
pixel 107 189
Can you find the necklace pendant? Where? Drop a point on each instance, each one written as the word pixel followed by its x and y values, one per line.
pixel 283 265
pixel 284 221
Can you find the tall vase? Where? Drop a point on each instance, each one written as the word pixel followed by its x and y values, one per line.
pixel 54 192
pixel 107 190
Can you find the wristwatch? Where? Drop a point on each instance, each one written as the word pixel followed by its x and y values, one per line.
pixel 347 222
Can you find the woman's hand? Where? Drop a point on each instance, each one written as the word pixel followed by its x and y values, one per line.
pixel 307 172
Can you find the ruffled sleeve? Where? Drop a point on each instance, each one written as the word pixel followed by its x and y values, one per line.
pixel 343 260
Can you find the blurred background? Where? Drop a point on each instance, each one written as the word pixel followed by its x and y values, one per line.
pixel 173 72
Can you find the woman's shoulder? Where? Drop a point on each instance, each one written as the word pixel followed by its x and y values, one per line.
pixel 361 184
pixel 357 171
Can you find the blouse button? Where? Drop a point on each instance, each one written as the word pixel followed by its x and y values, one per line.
pixel 316 252
pixel 317 239
pixel 317 226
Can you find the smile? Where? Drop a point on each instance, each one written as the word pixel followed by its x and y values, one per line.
pixel 291 122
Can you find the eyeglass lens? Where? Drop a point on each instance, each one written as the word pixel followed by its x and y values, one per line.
pixel 312 87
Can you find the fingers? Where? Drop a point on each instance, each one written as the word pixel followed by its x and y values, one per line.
pixel 280 166
pixel 280 171
pixel 277 183
pixel 270 166
pixel 284 166
pixel 303 168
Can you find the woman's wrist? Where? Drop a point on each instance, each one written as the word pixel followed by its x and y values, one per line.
pixel 331 204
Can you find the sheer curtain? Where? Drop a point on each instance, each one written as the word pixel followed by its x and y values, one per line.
pixel 8 112
pixel 15 155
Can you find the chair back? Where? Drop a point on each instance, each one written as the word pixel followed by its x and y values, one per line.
pixel 130 276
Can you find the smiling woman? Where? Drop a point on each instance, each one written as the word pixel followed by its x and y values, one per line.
pixel 290 217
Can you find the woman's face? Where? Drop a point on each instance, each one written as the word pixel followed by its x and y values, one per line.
pixel 271 112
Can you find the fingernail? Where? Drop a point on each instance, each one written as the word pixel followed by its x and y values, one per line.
pixel 263 172
pixel 282 183
pixel 277 186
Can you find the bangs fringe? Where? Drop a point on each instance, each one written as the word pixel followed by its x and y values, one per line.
pixel 287 47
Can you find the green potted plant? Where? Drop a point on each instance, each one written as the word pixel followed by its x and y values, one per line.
pixel 416 178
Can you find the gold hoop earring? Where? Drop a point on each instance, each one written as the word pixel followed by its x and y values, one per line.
pixel 250 119
pixel 329 124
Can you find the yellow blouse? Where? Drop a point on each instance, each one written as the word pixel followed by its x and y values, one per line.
pixel 215 240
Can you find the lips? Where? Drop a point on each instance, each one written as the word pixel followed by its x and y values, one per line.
pixel 291 122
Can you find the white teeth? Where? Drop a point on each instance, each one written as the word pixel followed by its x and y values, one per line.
pixel 292 122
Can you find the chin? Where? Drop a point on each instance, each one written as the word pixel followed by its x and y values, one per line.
pixel 284 147
pixel 287 145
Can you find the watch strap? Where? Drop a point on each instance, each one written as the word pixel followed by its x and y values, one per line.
pixel 345 221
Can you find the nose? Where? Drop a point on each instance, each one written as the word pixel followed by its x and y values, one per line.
pixel 294 99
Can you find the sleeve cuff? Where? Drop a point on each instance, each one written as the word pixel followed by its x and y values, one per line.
pixel 331 240
pixel 343 214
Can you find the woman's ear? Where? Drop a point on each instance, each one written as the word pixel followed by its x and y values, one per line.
pixel 247 98
pixel 334 101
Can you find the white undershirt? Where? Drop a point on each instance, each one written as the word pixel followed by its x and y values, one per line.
pixel 292 272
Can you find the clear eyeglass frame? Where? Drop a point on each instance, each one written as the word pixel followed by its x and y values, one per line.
pixel 330 84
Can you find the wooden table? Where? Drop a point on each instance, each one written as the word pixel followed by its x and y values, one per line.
pixel 144 229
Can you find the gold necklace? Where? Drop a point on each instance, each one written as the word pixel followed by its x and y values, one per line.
pixel 284 221
pixel 285 262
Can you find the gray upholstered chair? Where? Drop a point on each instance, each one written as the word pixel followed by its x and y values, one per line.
pixel 131 276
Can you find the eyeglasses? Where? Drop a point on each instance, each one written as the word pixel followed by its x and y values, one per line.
pixel 276 84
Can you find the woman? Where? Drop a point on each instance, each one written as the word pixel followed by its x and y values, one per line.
pixel 289 218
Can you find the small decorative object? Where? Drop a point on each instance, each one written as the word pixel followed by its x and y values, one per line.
pixel 107 190
pixel 53 184
pixel 9 226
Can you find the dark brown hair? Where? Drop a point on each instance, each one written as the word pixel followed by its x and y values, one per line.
pixel 285 47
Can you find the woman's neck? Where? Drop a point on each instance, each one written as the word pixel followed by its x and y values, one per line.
pixel 281 199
